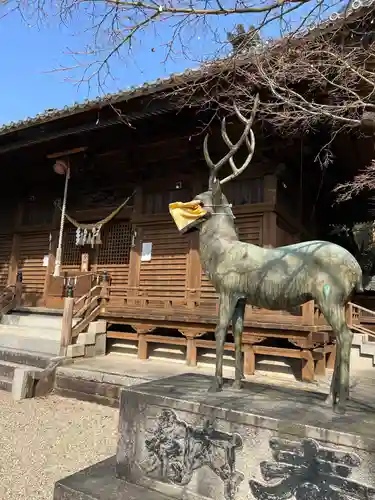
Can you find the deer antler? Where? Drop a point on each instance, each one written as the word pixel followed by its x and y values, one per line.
pixel 247 137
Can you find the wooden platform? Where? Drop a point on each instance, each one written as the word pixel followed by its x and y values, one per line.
pixel 193 329
pixel 134 314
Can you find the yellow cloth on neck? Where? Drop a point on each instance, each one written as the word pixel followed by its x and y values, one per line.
pixel 186 214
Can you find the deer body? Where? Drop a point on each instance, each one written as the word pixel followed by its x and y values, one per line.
pixel 271 278
pixel 276 278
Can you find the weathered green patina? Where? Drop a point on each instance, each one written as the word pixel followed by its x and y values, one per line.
pixel 271 278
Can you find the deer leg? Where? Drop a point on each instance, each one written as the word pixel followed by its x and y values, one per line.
pixel 333 395
pixel 237 324
pixel 344 366
pixel 339 390
pixel 226 309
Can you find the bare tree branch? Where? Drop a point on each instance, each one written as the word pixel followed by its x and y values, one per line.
pixel 116 24
pixel 306 76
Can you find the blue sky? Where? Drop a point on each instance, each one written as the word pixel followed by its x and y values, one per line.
pixel 28 84
pixel 32 80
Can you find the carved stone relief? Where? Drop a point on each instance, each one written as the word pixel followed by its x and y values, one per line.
pixel 307 471
pixel 300 470
pixel 176 449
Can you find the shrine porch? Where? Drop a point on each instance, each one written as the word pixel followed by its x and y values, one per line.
pixel 275 334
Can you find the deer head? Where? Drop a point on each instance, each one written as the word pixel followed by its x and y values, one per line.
pixel 213 201
pixel 214 197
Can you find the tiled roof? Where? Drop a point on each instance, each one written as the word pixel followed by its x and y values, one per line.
pixel 162 83
pixel 352 11
pixel 126 95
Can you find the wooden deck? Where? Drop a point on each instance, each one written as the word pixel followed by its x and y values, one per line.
pixel 134 315
pixel 300 335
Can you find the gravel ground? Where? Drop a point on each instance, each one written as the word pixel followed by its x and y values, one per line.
pixel 43 440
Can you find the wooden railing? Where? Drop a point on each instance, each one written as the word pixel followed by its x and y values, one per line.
pixel 10 295
pixel 361 315
pixel 57 286
pixel 8 299
pixel 129 298
pixel 84 309
pixel 306 315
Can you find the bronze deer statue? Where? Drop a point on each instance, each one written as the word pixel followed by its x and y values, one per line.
pixel 271 278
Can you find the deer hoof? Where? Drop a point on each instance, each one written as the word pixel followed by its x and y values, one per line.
pixel 339 408
pixel 216 386
pixel 237 385
pixel 329 401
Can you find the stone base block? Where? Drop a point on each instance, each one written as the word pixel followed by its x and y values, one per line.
pixel 23 382
pixel 86 338
pixel 101 344
pixel 99 326
pixel 261 443
pixel 75 350
pixel 99 482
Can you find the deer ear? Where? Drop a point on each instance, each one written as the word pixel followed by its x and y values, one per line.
pixel 216 192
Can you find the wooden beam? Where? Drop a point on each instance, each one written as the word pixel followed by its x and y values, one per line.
pixel 51 264
pixel 269 229
pixel 193 271
pixel 68 152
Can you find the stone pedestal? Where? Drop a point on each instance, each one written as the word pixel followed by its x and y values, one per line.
pixel 176 440
pixel 99 482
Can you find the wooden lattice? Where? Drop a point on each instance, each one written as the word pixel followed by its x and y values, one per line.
pixel 71 254
pixel 116 244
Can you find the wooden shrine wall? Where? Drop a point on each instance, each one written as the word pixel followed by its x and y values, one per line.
pixel 172 275
pixel 33 246
pixel 163 171
pixel 164 276
pixel 71 254
pixel 113 255
pixel 5 257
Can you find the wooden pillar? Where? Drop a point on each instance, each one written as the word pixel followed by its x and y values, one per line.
pixel 193 271
pixel 191 345
pixel 270 189
pixel 308 371
pixel 331 357
pixel 14 256
pixel 349 314
pixel 142 346
pixel 67 324
pixel 191 351
pixel 249 360
pixel 194 268
pixel 308 313
pixel 19 289
pixel 269 227
pixel 104 291
pixel 135 251
pixel 51 264
pixel 138 201
pixel 321 364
